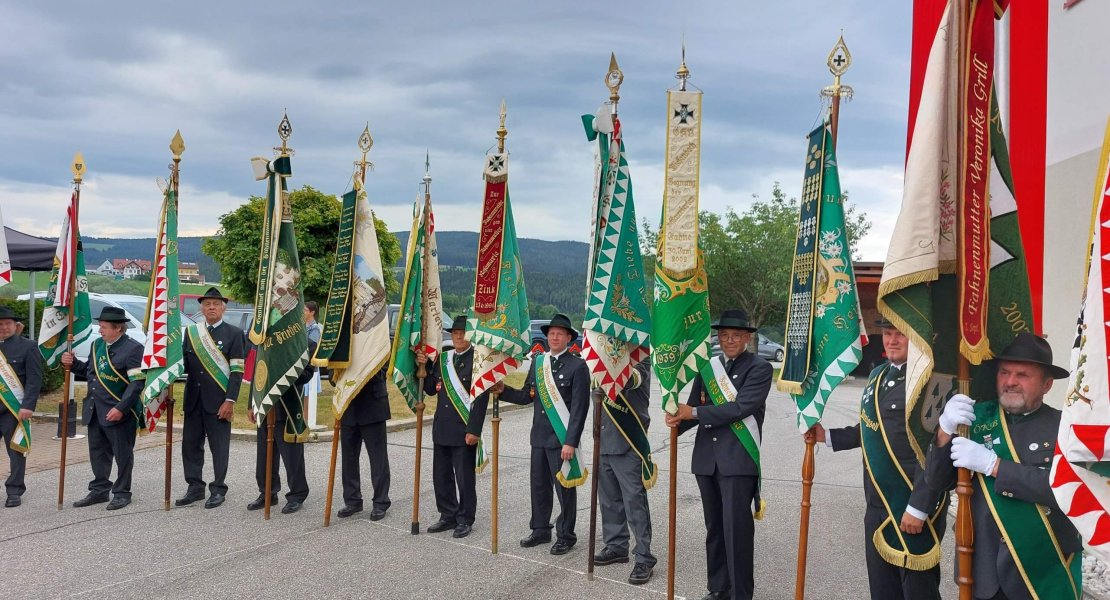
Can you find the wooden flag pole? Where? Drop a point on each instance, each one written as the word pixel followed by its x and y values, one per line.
pixel 331 471
pixel 177 146
pixel 672 512
pixel 496 422
pixel 597 393
pixel 78 169
pixel 271 421
pixel 421 373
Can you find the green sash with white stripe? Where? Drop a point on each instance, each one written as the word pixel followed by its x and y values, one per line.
pixel 114 382
pixel 11 393
pixel 720 390
pixel 209 354
pixel 460 399
pixel 571 474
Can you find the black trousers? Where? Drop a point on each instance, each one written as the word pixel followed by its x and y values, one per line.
pixel 453 469
pixel 14 485
pixel 545 463
pixel 352 438
pixel 106 444
pixel 729 533
pixel 291 455
pixel 199 426
pixel 888 582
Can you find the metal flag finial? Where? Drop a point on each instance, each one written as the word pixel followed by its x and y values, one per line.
pixel 427 167
pixel 177 145
pixel 365 143
pixel 613 79
pixel 285 131
pixel 839 60
pixel 683 73
pixel 78 168
pixel 501 131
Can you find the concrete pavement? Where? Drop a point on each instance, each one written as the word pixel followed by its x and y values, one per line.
pixel 142 551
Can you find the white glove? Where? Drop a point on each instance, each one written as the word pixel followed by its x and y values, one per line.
pixel 958 411
pixel 967 454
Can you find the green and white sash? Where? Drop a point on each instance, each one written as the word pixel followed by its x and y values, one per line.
pixel 1047 572
pixel 918 551
pixel 632 429
pixel 571 474
pixel 460 399
pixel 11 392
pixel 210 356
pixel 720 389
pixel 114 382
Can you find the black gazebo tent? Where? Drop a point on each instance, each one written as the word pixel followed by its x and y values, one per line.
pixel 29 253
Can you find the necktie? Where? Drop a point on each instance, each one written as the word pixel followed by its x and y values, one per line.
pixel 211 329
pixel 728 364
pixel 556 363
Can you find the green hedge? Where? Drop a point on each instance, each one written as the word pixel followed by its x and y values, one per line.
pixel 51 378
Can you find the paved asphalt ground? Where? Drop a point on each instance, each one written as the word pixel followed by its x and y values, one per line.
pixel 144 552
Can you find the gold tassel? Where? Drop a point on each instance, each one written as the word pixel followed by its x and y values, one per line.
pixel 650 481
pixel 570 483
pixel 759 512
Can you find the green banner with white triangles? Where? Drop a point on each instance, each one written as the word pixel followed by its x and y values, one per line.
pixel 163 360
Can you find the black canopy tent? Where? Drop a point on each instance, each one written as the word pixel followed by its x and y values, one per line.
pixel 30 253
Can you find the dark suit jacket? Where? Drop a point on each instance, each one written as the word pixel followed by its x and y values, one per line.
pixel 716 448
pixel 992 566
pixel 573 380
pixel 612 441
pixel 24 357
pixel 201 387
pixel 892 410
pixel 371 404
pixel 448 428
pixel 125 354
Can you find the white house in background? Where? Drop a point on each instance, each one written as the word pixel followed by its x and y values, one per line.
pixel 105 268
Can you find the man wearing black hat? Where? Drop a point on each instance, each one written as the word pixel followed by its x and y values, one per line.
pixel 214 355
pixel 561 383
pixel 364 424
pixel 457 452
pixel 904 520
pixel 1025 546
pixel 111 407
pixel 727 404
pixel 21 379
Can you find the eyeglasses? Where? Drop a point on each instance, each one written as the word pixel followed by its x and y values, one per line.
pixel 733 337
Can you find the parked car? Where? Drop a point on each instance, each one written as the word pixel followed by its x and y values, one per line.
pixel 393 311
pixel 539 340
pixel 772 351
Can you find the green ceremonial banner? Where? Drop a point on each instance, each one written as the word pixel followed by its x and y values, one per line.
pixel 54 326
pixel 278 330
pixel 823 329
pixel 163 361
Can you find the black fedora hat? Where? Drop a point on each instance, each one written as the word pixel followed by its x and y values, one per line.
pixel 8 313
pixel 560 320
pixel 734 319
pixel 458 323
pixel 214 294
pixel 113 314
pixel 884 323
pixel 1031 348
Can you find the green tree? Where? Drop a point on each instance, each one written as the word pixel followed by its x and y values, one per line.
pixel 316 222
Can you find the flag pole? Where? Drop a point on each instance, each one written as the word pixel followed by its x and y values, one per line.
pixel 496 419
pixel 421 368
pixel 177 147
pixel 331 472
pixel 78 169
pixel 839 60
pixel 964 528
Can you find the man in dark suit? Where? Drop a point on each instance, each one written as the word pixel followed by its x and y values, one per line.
pixel 1025 546
pixel 894 573
pixel 726 470
pixel 364 424
pixel 214 356
pixel 455 442
pixel 115 383
pixel 291 453
pixel 571 379
pixel 21 375
pixel 626 472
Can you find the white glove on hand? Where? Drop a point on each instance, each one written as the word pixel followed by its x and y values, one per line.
pixel 958 411
pixel 967 454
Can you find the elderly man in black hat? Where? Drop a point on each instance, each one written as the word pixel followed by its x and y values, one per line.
pixel 1025 546
pixel 904 519
pixel 111 406
pixel 727 404
pixel 560 382
pixel 214 353
pixel 21 376
pixel 456 433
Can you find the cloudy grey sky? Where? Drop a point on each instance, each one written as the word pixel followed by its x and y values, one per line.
pixel 115 79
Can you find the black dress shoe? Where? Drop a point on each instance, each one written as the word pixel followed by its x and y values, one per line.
pixel 561 547
pixel 377 514
pixel 118 503
pixel 13 501
pixel 641 574
pixel 535 539
pixel 348 510
pixel 90 500
pixel 291 507
pixel 716 596
pixel 461 531
pixel 188 499
pixel 608 556
pixel 260 502
pixel 214 500
pixel 441 525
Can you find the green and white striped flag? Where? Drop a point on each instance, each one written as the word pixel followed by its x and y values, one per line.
pixel 69 269
pixel 823 329
pixel 163 361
